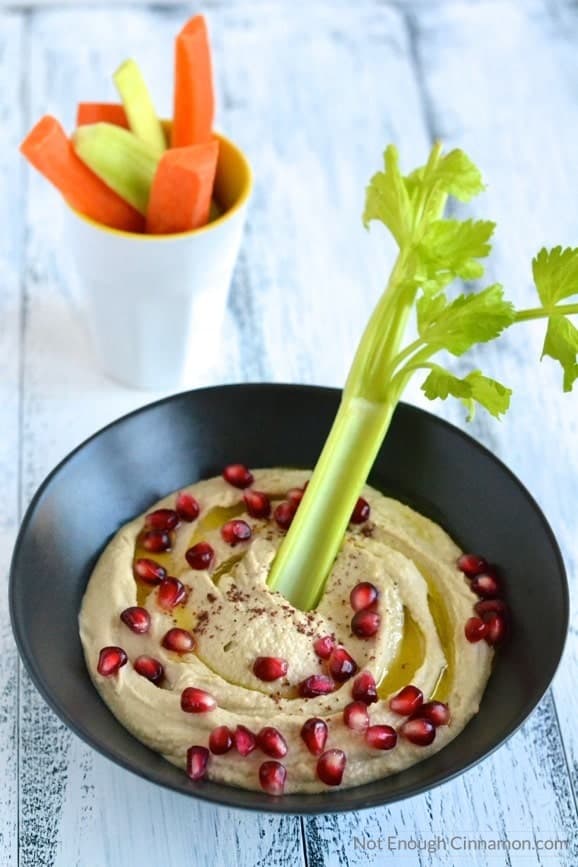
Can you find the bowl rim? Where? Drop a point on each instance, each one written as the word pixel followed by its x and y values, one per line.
pixel 279 806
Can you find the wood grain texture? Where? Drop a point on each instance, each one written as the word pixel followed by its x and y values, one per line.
pixel 516 108
pixel 10 328
pixel 312 92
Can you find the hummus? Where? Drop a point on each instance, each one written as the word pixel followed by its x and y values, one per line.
pixel 423 603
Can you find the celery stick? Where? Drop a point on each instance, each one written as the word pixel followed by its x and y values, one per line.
pixel 138 105
pixel 124 162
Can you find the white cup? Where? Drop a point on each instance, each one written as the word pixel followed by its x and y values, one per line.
pixel 156 303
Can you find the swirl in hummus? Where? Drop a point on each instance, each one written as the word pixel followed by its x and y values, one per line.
pixel 424 602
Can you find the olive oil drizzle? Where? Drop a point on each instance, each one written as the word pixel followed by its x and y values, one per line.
pixel 411 654
pixel 210 521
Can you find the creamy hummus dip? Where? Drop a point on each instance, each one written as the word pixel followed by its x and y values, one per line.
pixel 423 604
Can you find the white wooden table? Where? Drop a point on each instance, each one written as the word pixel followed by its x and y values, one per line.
pixel 313 91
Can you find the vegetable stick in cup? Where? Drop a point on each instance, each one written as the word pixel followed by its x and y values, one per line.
pixel 48 149
pixel 142 117
pixel 124 162
pixel 97 112
pixel 194 100
pixel 181 193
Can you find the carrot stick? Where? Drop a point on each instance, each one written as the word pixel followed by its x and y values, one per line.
pixel 48 149
pixel 181 192
pixel 97 112
pixel 194 99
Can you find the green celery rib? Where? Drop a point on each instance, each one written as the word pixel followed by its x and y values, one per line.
pixel 371 393
pixel 341 472
pixel 307 553
pixel 125 163
pixel 138 105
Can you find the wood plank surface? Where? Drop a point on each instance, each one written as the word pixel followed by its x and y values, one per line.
pixel 11 313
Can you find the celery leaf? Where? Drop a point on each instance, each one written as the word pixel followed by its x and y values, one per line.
pixel 387 199
pixel 556 277
pixel 469 319
pixel 452 248
pixel 473 389
pixel 556 274
pixel 454 174
pixel 561 343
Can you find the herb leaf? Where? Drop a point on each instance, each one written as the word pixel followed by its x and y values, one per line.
pixel 469 319
pixel 556 277
pixel 472 389
pixel 556 274
pixel 452 248
pixel 455 174
pixel 388 200
pixel 561 343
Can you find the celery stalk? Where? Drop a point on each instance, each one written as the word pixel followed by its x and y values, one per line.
pixel 370 396
pixel 138 105
pixel 313 541
pixel 125 163
pixel 432 253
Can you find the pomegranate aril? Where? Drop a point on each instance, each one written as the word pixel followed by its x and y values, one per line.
pixel 187 507
pixel 361 512
pixel 110 660
pixel 437 712
pixel 407 700
pixel 149 667
pixel 162 519
pixel 314 733
pixel 235 531
pixel 270 668
pixel 317 684
pixel 491 606
pixel 156 541
pixel 472 564
pixel 486 585
pixel 137 619
pixel 197 761
pixel 418 731
pixel 200 556
pixel 178 640
pixel 342 666
pixel 365 623
pixel 364 688
pixel 381 737
pixel 324 646
pixel 244 740
pixel 363 595
pixel 272 742
pixel 330 767
pixel 238 475
pixel 149 571
pixel 258 504
pixel 284 514
pixel 496 629
pixel 475 629
pixel 272 777
pixel 194 700
pixel 355 716
pixel 171 592
pixel 220 740
pixel 295 495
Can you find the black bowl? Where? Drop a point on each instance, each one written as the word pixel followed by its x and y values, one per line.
pixel 425 462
